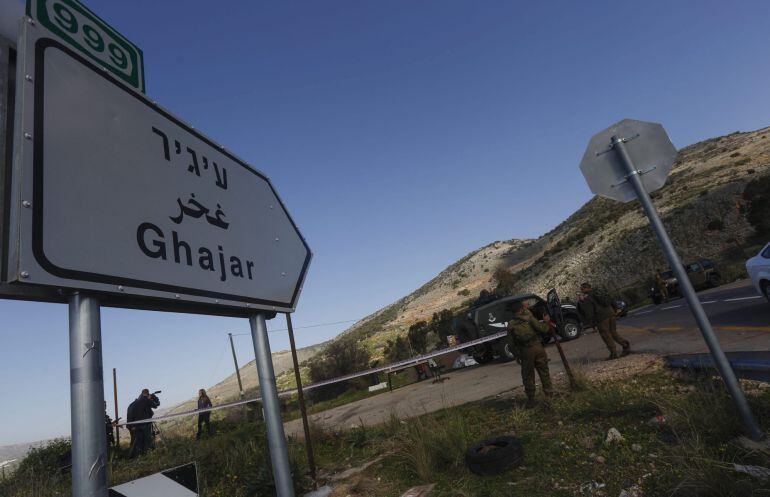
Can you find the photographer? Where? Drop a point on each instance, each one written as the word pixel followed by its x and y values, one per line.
pixel 141 434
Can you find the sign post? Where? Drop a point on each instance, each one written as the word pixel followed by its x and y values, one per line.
pixel 89 439
pixel 301 400
pixel 631 159
pixel 276 439
pixel 237 370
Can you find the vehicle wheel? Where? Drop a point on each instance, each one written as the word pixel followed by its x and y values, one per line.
pixel 657 299
pixel 766 290
pixel 571 329
pixel 505 352
pixel 713 280
pixel 493 456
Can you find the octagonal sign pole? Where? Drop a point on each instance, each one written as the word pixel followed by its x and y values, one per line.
pixel 631 159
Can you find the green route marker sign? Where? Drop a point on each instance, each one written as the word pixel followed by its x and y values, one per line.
pixel 84 31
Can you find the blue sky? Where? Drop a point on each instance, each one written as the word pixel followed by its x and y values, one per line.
pixel 401 135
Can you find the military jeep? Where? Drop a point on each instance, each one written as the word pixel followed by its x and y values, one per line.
pixel 701 273
pixel 492 317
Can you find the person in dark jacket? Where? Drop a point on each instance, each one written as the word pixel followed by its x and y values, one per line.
pixel 141 434
pixel 205 417
pixel 598 308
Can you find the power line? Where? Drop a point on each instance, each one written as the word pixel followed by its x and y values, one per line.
pixel 305 327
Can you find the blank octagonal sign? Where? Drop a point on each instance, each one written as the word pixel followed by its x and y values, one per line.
pixel 650 150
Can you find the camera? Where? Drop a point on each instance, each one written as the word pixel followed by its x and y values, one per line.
pixel 154 400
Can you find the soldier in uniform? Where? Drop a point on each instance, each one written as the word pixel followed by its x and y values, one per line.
pixel 524 332
pixel 597 307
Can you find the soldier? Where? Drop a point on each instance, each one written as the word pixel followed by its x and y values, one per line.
pixel 599 309
pixel 524 332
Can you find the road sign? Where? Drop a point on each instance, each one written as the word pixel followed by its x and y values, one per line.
pixel 176 482
pixel 636 155
pixel 113 194
pixel 650 149
pixel 78 27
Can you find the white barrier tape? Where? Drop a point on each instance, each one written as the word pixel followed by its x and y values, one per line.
pixel 386 368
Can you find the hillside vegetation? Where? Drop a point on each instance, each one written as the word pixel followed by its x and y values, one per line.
pixel 704 206
pixel 680 437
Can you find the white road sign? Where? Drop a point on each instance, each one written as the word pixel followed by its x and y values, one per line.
pixel 114 194
pixel 176 482
pixel 649 148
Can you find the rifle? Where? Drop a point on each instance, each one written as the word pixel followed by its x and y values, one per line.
pixel 572 383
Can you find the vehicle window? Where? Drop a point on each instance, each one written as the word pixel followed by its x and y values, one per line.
pixel 693 268
pixel 667 275
pixel 530 303
pixel 707 264
pixel 766 252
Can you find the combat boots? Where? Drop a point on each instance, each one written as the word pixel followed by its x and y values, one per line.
pixel 626 351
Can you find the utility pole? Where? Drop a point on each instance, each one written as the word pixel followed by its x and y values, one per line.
pixel 301 399
pixel 115 396
pixel 235 361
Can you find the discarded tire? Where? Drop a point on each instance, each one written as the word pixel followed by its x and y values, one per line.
pixel 493 456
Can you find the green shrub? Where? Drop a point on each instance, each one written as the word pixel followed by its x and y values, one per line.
pixel 417 336
pixel 343 356
pixel 757 197
pixel 433 443
pixel 715 225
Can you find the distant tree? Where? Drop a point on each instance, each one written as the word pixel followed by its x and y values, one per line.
pixel 417 336
pixel 397 350
pixel 339 358
pixel 506 281
pixel 757 196
pixel 441 324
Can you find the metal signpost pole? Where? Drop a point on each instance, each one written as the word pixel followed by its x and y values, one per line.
pixel 276 439
pixel 720 359
pixel 235 361
pixel 115 396
pixel 301 399
pixel 89 439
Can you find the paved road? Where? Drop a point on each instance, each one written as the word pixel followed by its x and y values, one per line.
pixel 740 318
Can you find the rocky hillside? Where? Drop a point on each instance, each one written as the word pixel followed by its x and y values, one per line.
pixel 606 242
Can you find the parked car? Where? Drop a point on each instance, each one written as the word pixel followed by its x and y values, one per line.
pixel 758 268
pixel 702 274
pixel 492 317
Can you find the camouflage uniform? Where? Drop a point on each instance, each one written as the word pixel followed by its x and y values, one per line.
pixel 599 304
pixel 524 334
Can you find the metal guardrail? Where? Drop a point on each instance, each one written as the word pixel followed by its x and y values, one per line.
pixel 387 368
pixel 747 365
